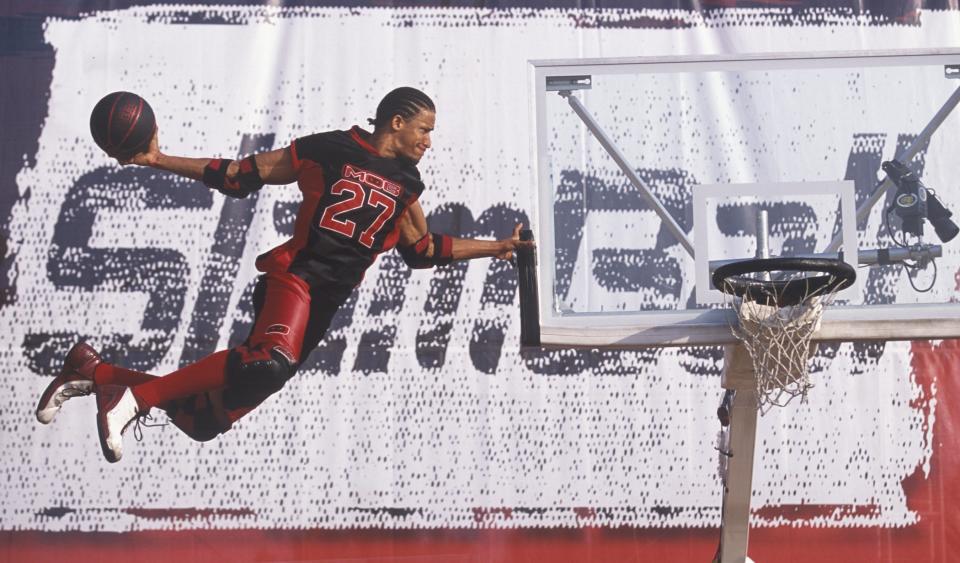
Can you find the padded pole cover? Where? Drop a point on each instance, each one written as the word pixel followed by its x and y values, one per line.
pixel 529 299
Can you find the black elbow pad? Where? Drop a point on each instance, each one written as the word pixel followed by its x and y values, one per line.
pixel 416 257
pixel 245 183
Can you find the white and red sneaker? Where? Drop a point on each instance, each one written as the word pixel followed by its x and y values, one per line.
pixel 114 415
pixel 75 380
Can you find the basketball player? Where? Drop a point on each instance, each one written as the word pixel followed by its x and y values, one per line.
pixel 360 194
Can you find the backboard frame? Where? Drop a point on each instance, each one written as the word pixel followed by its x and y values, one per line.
pixel 625 330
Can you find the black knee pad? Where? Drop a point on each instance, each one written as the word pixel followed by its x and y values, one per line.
pixel 263 368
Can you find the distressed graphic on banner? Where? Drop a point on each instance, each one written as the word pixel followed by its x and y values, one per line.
pixel 418 410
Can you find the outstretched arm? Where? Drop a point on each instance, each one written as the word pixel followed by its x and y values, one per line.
pixel 469 248
pixel 275 167
pixel 422 249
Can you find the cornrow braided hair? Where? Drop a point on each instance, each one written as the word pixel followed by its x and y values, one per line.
pixel 405 102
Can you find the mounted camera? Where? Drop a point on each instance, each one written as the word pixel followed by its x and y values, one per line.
pixel 914 203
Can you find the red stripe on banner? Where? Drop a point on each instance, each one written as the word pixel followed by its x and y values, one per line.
pixel 808 512
pixel 590 544
pixel 783 545
pixel 935 496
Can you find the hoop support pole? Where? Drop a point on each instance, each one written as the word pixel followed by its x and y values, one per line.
pixel 738 375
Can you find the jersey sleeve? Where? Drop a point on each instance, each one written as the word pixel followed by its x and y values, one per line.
pixel 317 148
pixel 310 154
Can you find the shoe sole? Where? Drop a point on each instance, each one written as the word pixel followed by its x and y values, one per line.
pixel 107 452
pixel 44 418
pixel 45 399
pixel 46 409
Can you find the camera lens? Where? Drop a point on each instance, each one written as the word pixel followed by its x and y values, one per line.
pixel 939 217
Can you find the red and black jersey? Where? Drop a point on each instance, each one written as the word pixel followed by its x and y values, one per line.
pixel 352 201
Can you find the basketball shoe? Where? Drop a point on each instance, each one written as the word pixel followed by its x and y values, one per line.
pixel 74 380
pixel 114 416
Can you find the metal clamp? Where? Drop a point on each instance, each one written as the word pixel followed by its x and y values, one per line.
pixel 569 83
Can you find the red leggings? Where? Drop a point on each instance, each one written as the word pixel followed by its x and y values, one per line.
pixel 205 398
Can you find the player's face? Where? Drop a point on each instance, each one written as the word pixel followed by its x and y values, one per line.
pixel 413 135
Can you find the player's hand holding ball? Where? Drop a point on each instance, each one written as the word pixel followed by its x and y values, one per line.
pixel 123 125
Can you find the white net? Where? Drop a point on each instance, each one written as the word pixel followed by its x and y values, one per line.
pixel 778 337
pixel 779 303
pixel 778 342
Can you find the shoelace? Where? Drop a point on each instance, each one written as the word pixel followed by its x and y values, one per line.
pixel 141 420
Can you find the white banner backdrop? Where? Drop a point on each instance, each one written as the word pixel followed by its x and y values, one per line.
pixel 420 412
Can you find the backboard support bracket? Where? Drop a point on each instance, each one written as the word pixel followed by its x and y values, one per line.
pixel 628 170
pixel 569 83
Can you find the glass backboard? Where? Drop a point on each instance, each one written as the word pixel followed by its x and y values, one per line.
pixel 653 171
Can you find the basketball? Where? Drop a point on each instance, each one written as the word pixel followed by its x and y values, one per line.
pixel 122 124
